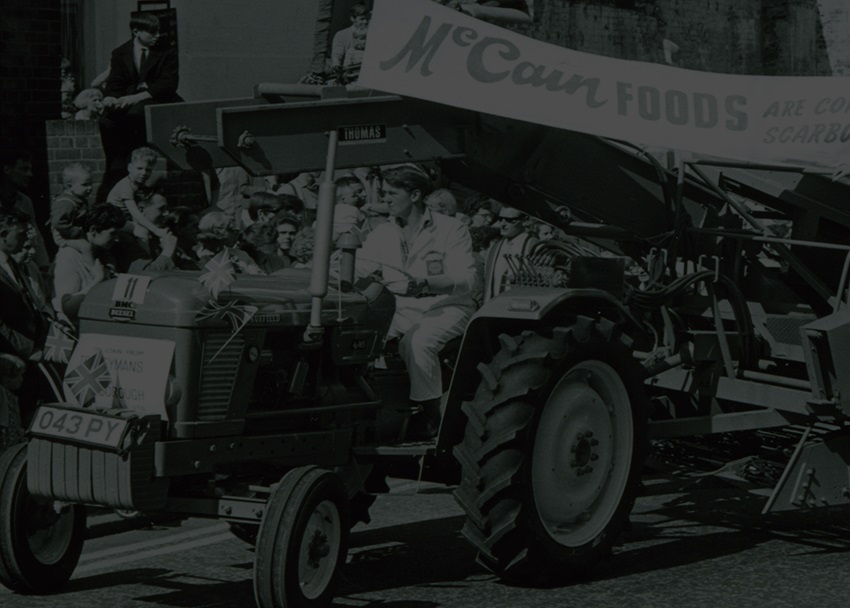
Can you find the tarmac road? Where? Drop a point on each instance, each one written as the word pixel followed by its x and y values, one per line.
pixel 692 543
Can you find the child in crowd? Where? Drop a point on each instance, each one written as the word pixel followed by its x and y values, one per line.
pixel 347 218
pixel 11 377
pixel 354 54
pixel 350 191
pixel 129 190
pixel 68 208
pixel 89 104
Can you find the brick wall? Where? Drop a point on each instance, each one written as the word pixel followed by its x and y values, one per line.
pixel 69 141
pixel 79 141
pixel 30 33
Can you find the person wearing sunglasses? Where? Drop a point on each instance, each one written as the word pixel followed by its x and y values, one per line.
pixel 500 261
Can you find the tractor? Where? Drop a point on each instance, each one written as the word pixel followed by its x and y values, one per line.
pixel 711 304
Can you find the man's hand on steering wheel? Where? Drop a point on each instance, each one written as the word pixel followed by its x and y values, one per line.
pixel 417 288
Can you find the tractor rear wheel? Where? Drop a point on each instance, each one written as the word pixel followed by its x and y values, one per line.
pixel 302 541
pixel 41 539
pixel 553 450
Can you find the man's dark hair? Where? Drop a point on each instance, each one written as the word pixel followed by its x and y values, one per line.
pixel 12 217
pixel 409 178
pixel 144 22
pixel 104 216
pixel 10 157
pixel 177 219
pixel 347 180
pixel 286 217
pixel 263 201
pixel 291 203
pixel 472 204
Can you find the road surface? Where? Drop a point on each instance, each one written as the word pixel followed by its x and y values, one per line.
pixel 693 542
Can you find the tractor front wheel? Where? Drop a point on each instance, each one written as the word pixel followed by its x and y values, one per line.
pixel 41 539
pixel 302 541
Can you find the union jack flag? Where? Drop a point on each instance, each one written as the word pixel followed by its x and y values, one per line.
pixel 235 312
pixel 88 379
pixel 59 344
pixel 219 273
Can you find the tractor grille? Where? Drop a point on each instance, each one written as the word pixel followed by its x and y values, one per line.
pixel 218 375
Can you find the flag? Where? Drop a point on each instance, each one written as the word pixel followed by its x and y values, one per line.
pixel 88 379
pixel 219 273
pixel 235 312
pixel 59 344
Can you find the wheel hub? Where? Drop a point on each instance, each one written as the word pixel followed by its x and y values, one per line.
pixel 582 452
pixel 320 546
pixel 318 549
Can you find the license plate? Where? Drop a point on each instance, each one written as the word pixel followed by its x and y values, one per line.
pixel 79 426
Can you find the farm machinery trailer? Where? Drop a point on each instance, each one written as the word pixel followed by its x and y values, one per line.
pixel 719 308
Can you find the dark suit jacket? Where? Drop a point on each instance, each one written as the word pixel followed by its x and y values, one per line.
pixel 22 329
pixel 160 74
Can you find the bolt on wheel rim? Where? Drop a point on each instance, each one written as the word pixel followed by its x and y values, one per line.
pixel 320 546
pixel 582 453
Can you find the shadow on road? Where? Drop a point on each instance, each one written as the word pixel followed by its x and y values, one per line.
pixel 424 553
pixel 711 519
pixel 428 553
pixel 674 524
pixel 133 576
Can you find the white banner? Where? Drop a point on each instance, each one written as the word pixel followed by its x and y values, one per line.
pixel 134 372
pixel 421 49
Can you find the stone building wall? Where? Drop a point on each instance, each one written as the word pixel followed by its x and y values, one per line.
pixel 835 17
pixel 729 36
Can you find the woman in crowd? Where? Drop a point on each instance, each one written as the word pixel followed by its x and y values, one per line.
pixel 76 271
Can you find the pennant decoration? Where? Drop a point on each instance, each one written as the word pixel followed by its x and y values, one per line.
pixel 235 312
pixel 59 344
pixel 88 379
pixel 219 274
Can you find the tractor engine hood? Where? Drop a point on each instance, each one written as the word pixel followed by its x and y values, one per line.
pixel 178 299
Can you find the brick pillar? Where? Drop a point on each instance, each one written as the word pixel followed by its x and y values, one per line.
pixel 73 141
pixel 79 141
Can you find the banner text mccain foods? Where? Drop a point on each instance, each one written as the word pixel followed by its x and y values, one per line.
pixel 422 49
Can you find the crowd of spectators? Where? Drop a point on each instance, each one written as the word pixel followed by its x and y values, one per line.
pixel 266 224
pixel 266 227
